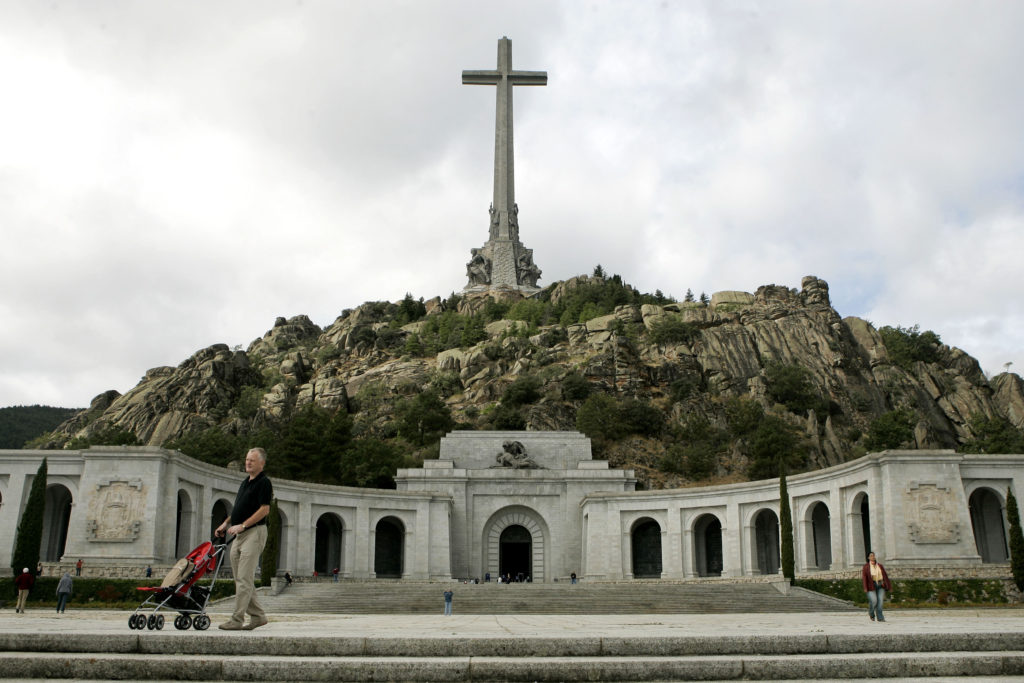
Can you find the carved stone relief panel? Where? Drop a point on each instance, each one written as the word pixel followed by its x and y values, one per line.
pixel 930 513
pixel 116 511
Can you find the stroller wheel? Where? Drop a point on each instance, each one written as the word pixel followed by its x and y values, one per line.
pixel 201 622
pixel 151 622
pixel 181 622
pixel 159 622
pixel 132 620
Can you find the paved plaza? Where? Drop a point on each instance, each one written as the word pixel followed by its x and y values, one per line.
pixel 902 621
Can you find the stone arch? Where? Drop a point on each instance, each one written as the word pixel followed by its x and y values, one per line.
pixel 184 524
pixel 528 519
pixel 707 545
pixel 284 544
pixel 218 513
pixel 56 517
pixel 389 548
pixel 327 552
pixel 860 527
pixel 766 541
pixel 645 544
pixel 820 524
pixel 986 508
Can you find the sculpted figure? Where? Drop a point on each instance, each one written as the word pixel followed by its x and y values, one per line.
pixel 478 270
pixel 527 271
pixel 514 456
pixel 494 221
pixel 513 223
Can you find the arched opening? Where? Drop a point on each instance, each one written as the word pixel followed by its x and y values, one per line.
pixel 766 541
pixel 821 535
pixel 707 545
pixel 221 510
pixel 56 517
pixel 987 522
pixel 389 548
pixel 646 543
pixel 860 528
pixel 500 548
pixel 515 552
pixel 327 555
pixel 183 542
pixel 282 549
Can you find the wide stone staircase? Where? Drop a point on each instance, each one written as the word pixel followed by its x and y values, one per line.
pixel 633 597
pixel 212 656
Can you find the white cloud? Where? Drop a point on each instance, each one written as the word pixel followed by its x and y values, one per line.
pixel 179 175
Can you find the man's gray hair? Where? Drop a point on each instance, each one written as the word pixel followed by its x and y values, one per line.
pixel 260 452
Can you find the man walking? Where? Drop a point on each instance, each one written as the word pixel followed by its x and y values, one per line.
pixel 24 582
pixel 252 505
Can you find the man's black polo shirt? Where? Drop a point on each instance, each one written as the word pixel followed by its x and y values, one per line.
pixel 252 494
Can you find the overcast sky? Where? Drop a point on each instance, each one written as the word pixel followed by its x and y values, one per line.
pixel 178 174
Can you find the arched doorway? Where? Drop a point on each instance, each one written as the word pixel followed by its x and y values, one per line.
pixel 515 555
pixel 499 547
pixel 821 536
pixel 389 548
pixel 56 517
pixel 860 528
pixel 221 510
pixel 183 542
pixel 646 542
pixel 327 555
pixel 284 544
pixel 707 545
pixel 987 523
pixel 766 541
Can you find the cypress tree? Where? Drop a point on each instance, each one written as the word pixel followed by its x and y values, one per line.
pixel 268 562
pixel 785 526
pixel 1016 540
pixel 30 529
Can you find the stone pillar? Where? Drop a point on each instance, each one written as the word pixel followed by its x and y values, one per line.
pixel 672 552
pixel 305 539
pixel 732 550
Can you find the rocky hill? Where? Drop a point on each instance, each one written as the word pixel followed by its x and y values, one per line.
pixel 697 389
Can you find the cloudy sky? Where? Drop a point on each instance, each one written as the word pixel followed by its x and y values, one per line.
pixel 177 174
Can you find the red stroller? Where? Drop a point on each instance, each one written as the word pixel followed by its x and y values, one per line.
pixel 181 592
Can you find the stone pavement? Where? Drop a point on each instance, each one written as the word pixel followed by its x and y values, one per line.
pixel 902 621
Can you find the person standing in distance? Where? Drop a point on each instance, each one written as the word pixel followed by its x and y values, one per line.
pixel 249 517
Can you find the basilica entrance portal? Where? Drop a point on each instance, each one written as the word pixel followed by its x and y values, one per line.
pixel 515 557
pixel 514 542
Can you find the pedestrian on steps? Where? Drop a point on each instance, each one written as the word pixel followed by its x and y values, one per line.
pixel 448 594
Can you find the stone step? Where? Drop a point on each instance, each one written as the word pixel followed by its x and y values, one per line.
pixel 216 642
pixel 376 597
pixel 505 668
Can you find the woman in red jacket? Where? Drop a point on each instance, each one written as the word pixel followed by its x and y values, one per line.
pixel 876 583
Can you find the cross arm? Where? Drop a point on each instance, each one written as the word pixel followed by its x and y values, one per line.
pixel 480 77
pixel 529 77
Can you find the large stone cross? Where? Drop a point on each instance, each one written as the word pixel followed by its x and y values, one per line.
pixel 503 261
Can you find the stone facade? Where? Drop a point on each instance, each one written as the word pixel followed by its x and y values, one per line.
pixel 530 503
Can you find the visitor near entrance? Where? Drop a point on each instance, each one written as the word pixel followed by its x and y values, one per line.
pixel 252 505
pixel 63 592
pixel 448 594
pixel 78 567
pixel 24 583
pixel 876 583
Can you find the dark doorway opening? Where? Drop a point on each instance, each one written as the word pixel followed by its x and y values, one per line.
pixel 389 547
pixel 647 550
pixel 515 556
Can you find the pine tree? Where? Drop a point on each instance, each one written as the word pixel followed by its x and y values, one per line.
pixel 704 299
pixel 689 296
pixel 785 527
pixel 30 528
pixel 268 562
pixel 1016 540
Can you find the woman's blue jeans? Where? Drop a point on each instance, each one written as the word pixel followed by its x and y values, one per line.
pixel 875 600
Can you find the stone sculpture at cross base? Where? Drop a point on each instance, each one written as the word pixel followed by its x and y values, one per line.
pixel 503 262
